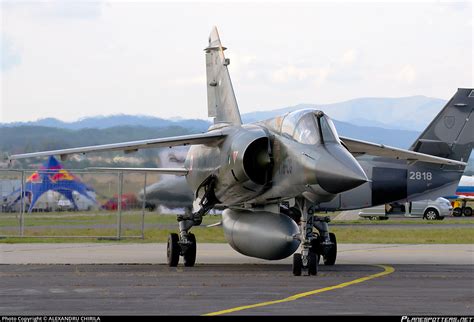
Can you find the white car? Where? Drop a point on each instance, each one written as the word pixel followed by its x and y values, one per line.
pixel 82 203
pixel 426 209
pixel 64 205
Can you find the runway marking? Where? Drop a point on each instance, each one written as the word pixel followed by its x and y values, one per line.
pixel 387 270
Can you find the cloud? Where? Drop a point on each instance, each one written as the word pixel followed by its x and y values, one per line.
pixel 315 75
pixel 9 55
pixel 189 81
pixel 81 58
pixel 56 9
pixel 243 59
pixel 244 65
pixel 290 73
pixel 407 74
pixel 349 57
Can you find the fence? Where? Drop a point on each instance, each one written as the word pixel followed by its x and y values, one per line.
pixel 73 204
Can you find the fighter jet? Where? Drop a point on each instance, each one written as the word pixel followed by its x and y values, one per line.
pixel 272 177
pixel 171 192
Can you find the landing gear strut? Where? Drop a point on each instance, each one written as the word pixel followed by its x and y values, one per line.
pixel 314 244
pixel 184 244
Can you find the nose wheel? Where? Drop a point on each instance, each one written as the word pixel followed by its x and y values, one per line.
pixel 309 264
pixel 313 262
pixel 330 252
pixel 297 264
pixel 313 245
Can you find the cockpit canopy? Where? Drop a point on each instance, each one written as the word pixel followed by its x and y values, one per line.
pixel 306 126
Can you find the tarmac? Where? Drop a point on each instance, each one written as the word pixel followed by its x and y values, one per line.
pixel 132 279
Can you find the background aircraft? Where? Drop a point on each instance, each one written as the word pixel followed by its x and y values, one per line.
pixel 271 177
pixel 464 195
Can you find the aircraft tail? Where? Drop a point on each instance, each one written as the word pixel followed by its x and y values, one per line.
pixel 451 133
pixel 221 101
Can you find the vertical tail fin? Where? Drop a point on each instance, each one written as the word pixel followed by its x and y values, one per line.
pixel 221 101
pixel 451 133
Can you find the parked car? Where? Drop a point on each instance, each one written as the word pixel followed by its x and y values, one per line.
pixel 65 205
pixel 128 201
pixel 426 209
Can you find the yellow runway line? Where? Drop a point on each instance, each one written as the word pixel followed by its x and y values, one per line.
pixel 387 270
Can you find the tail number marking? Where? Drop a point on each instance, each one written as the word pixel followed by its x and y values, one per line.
pixel 418 175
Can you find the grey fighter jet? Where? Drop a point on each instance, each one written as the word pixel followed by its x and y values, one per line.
pixel 272 177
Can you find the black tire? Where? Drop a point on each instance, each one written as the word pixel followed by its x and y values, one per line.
pixel 316 248
pixel 316 245
pixel 190 254
pixel 457 212
pixel 313 263
pixel 330 258
pixel 173 250
pixel 297 264
pixel 431 214
pixel 467 211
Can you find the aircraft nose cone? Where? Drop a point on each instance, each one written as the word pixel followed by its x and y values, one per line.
pixel 339 171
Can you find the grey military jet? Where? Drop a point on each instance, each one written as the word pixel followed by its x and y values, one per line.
pixel 271 178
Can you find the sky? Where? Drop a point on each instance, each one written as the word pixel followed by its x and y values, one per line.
pixel 73 59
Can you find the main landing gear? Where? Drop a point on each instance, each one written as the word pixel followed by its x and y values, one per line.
pixel 184 243
pixel 175 249
pixel 314 245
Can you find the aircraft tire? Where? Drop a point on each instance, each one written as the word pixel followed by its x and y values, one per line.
pixel 457 212
pixel 173 250
pixel 467 211
pixel 313 263
pixel 297 264
pixel 316 248
pixel 330 258
pixel 190 254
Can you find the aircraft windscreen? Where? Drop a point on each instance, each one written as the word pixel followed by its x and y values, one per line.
pixel 328 129
pixel 306 131
pixel 303 127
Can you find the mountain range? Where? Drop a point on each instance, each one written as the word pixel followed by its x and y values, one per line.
pixel 405 113
pixel 391 121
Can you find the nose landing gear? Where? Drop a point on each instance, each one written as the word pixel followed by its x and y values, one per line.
pixel 314 244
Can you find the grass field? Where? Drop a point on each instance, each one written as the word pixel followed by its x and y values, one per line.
pixel 158 226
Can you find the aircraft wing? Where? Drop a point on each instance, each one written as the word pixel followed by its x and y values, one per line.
pixel 358 147
pixel 175 171
pixel 203 138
